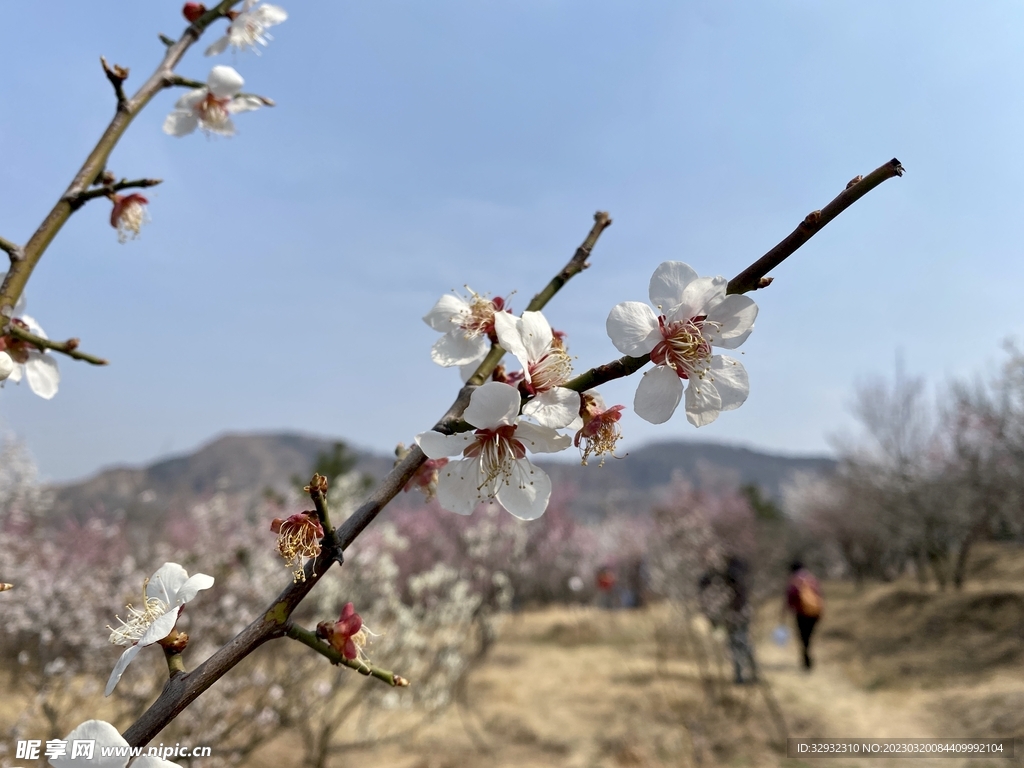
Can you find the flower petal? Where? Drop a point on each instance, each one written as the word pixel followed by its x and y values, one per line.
pixel 224 81
pixel 448 311
pixel 541 439
pixel 455 348
pixel 633 328
pixel 42 374
pixel 466 371
pixel 698 296
pixel 703 403
pixel 555 408
pixel 730 379
pixel 658 395
pixel 667 284
pixel 190 99
pixel 509 330
pixel 268 15
pixel 219 46
pixel 437 445
pixel 460 486
pixel 180 123
pixel 527 491
pixel 165 583
pixel 536 334
pixel 493 404
pixel 192 587
pixel 119 668
pixel 244 104
pixel 7 365
pixel 734 317
pixel 105 735
pixel 149 761
pixel 160 628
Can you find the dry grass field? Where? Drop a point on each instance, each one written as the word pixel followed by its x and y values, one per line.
pixel 582 687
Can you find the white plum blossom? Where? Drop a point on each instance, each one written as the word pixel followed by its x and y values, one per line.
pixel 494 464
pixel 694 315
pixel 210 108
pixel 546 366
pixel 248 29
pixel 103 734
pixel 22 359
pixel 467 326
pixel 166 591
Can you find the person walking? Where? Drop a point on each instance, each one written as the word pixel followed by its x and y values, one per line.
pixel 804 599
pixel 724 598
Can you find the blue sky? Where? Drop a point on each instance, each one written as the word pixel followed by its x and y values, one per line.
pixel 417 147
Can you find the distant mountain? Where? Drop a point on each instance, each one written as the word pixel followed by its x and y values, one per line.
pixel 634 482
pixel 246 464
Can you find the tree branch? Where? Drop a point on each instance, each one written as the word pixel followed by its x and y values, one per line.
pixel 309 639
pixel 576 264
pixel 16 252
pixel 750 278
pixel 81 198
pixel 20 271
pixel 69 347
pixel 753 277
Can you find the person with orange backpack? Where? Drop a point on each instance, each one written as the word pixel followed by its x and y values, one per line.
pixel 803 598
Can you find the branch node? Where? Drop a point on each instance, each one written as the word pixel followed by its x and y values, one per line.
pixel 15 251
pixel 855 180
pixel 116 75
pixel 166 40
pixel 812 218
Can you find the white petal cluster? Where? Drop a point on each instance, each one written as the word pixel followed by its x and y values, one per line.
pixel 166 592
pixel 694 314
pixel 211 108
pixel 494 463
pixel 248 29
pixel 103 734
pixel 546 366
pixel 466 325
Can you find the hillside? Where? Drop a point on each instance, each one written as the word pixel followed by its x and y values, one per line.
pixel 245 464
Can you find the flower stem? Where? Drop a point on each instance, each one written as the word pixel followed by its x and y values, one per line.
pixel 309 639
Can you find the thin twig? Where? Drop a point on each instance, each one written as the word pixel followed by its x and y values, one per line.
pixel 69 347
pixel 16 252
pixel 309 639
pixel 85 195
pixel 749 279
pixel 116 75
pixel 753 277
pixel 576 264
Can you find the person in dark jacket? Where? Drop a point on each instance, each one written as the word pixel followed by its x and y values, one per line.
pixel 725 599
pixel 803 598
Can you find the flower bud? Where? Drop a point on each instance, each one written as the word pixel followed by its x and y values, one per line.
pixel 193 11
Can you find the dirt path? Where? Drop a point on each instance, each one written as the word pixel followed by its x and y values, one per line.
pixel 825 703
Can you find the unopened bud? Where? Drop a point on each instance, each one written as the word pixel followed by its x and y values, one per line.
pixel 193 11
